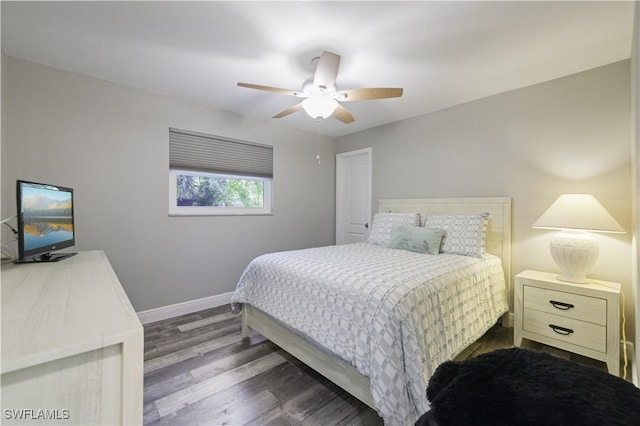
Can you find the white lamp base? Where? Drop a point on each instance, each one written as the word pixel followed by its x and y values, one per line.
pixel 574 252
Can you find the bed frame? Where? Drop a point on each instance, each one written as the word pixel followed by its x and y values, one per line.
pixel 340 372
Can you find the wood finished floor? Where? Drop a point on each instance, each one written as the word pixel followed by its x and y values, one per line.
pixel 199 370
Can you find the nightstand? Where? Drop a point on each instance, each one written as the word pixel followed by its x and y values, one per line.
pixel 579 318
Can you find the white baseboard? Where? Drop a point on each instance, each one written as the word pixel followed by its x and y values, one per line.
pixel 632 368
pixel 165 312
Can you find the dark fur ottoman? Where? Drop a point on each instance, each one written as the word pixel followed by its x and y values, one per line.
pixel 522 387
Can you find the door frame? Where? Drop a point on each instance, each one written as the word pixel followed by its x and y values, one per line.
pixel 341 213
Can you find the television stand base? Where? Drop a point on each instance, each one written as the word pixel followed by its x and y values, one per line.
pixel 49 257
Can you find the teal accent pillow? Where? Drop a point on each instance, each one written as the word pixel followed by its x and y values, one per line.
pixel 416 239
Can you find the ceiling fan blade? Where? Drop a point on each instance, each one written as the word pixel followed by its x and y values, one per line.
pixel 271 89
pixel 288 111
pixel 326 70
pixel 343 115
pixel 368 94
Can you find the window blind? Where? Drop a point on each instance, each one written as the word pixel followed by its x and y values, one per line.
pixel 199 152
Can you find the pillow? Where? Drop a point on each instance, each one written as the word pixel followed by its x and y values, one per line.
pixel 464 234
pixel 383 222
pixel 414 238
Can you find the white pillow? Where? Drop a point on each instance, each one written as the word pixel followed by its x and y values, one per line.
pixel 383 222
pixel 464 234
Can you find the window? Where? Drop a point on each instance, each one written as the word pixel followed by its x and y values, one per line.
pixel 211 175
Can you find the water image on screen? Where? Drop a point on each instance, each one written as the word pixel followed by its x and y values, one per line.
pixel 47 216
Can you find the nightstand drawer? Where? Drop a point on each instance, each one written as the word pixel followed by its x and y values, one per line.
pixel 580 333
pixel 569 305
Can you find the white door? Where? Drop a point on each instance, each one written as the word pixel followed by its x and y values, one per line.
pixel 353 196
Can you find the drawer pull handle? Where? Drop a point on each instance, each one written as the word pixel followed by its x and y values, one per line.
pixel 561 305
pixel 561 330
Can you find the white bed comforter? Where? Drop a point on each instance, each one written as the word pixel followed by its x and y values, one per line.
pixel 393 314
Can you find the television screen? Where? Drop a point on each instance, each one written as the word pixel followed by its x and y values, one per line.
pixel 45 221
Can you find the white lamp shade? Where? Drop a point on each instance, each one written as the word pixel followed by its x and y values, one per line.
pixel 319 106
pixel 573 249
pixel 578 211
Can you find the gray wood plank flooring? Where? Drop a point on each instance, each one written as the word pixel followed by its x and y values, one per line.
pixel 199 370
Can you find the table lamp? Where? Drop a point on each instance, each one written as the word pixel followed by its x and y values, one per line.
pixel 573 249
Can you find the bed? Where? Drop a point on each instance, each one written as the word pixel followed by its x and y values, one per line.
pixel 376 320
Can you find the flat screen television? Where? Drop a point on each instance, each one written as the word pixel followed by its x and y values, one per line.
pixel 45 221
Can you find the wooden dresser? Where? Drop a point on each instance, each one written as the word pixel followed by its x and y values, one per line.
pixel 72 345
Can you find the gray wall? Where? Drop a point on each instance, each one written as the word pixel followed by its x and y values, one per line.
pixel 532 144
pixel 110 143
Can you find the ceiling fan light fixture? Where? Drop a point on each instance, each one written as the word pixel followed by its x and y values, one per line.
pixel 322 96
pixel 319 107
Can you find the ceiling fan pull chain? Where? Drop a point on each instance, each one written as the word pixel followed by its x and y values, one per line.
pixel 318 140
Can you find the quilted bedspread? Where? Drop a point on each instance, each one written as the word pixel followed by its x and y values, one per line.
pixel 395 315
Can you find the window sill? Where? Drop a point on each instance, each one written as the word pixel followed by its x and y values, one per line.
pixel 217 214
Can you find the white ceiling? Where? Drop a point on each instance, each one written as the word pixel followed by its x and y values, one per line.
pixel 441 53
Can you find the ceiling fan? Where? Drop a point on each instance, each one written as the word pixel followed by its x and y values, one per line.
pixel 321 95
